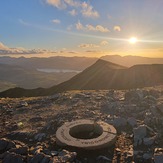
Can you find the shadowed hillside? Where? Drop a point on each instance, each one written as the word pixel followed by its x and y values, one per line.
pixel 101 75
pixel 12 76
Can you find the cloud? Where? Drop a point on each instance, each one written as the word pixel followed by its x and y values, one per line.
pixel 79 26
pixel 88 11
pixel 117 28
pixel 56 21
pixel 73 12
pixel 2 46
pixel 104 43
pixel 4 50
pixel 57 3
pixel 89 27
pixel 101 28
pixel 84 8
pixel 88 46
pixel 93 51
pixel 73 52
pixel 72 3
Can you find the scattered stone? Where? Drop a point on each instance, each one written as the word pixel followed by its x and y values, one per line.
pixel 147 156
pixel 40 136
pixel 160 107
pixel 46 159
pixel 149 141
pixel 119 122
pixel 13 158
pixel 3 144
pixel 134 95
pixel 24 103
pixel 139 133
pixel 103 159
pixel 6 144
pixel 37 158
pixel 20 150
pixel 158 155
pixel 65 156
pixel 140 110
pixel 54 153
pixel 132 121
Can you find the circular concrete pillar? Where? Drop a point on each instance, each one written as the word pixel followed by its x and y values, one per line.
pixel 86 134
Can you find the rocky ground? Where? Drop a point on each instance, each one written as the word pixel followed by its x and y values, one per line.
pixel 28 126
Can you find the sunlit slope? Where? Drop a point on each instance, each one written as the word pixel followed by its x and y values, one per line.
pixel 101 75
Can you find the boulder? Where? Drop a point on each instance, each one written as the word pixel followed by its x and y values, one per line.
pixel 139 133
pixel 132 121
pixel 158 155
pixel 160 107
pixel 149 141
pixel 119 122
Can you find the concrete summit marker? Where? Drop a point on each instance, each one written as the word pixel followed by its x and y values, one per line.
pixel 86 134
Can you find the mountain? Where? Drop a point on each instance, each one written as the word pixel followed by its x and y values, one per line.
pixel 23 72
pixel 131 60
pixel 101 75
pixel 12 76
pixel 57 62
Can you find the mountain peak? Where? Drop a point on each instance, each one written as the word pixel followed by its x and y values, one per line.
pixel 111 65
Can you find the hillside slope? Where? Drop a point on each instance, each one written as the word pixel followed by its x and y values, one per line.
pixel 101 75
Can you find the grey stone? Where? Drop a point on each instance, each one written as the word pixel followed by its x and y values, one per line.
pixel 149 141
pixel 13 158
pixel 103 158
pixel 37 158
pixel 54 153
pixel 40 136
pixel 160 107
pixel 20 150
pixel 132 121
pixel 119 122
pixel 139 133
pixel 3 144
pixel 158 155
pixel 46 159
pixel 147 156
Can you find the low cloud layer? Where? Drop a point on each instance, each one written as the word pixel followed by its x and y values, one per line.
pixel 91 46
pixel 89 27
pixel 4 50
pixel 88 46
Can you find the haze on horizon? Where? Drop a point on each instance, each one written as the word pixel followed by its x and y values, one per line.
pixel 44 28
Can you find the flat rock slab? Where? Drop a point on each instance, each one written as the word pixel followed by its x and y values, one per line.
pixel 106 134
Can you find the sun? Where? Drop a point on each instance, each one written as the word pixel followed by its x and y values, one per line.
pixel 133 40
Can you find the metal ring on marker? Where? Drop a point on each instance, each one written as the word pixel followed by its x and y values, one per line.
pixel 86 134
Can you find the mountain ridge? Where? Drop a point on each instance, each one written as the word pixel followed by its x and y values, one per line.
pixel 101 75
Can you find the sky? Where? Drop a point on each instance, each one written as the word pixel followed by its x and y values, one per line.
pixel 91 28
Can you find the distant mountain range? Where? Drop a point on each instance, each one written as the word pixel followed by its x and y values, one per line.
pixel 129 61
pixel 101 75
pixel 23 72
pixel 14 76
pixel 57 62
pixel 76 63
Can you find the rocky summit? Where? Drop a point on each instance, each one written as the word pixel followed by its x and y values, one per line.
pixel 28 126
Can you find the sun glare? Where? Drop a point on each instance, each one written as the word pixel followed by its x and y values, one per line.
pixel 133 40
